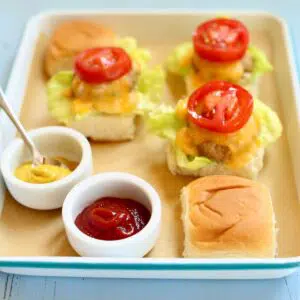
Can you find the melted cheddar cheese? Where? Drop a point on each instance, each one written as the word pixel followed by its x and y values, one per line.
pixel 111 98
pixel 187 60
pixel 80 106
pixel 184 142
pixel 114 105
pixel 208 71
pixel 181 109
pixel 243 143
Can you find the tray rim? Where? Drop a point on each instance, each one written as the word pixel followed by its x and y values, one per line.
pixel 149 264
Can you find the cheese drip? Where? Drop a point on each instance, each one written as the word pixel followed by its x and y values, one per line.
pixel 111 98
pixel 205 71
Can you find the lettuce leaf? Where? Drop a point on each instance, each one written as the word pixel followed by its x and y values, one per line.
pixel 141 56
pixel 163 122
pixel 179 61
pixel 144 106
pixel 151 83
pixel 260 62
pixel 191 163
pixel 149 88
pixel 271 128
pixel 59 105
pixel 151 80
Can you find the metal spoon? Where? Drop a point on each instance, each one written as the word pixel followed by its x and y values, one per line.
pixel 38 158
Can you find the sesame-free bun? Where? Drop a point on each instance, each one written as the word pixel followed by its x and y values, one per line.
pixel 105 127
pixel 250 170
pixel 228 216
pixel 69 39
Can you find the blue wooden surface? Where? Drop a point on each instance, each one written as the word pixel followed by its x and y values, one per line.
pixel 31 288
pixel 13 16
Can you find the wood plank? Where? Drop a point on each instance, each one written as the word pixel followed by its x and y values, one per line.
pixel 15 287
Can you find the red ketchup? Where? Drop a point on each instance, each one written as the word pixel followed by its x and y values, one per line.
pixel 112 218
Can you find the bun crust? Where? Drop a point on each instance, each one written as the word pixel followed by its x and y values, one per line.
pixel 250 171
pixel 228 216
pixel 69 39
pixel 106 127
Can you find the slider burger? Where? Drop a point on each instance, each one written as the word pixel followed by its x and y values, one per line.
pixel 220 129
pixel 228 216
pixel 106 90
pixel 219 50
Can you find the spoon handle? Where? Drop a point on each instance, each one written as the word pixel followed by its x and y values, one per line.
pixel 37 157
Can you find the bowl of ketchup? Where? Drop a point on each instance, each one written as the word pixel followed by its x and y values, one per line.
pixel 112 215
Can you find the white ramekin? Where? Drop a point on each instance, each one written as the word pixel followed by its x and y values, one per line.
pixel 51 141
pixel 114 184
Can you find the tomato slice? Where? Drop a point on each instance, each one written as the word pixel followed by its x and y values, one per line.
pixel 105 64
pixel 221 40
pixel 220 106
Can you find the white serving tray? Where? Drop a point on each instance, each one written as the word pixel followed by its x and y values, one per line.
pixel 286 80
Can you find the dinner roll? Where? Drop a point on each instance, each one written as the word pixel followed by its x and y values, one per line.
pixel 69 39
pixel 227 216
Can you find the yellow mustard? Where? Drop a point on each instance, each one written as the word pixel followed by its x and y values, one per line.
pixel 44 173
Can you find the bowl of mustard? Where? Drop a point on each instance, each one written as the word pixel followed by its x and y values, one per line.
pixel 28 172
pixel 46 186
